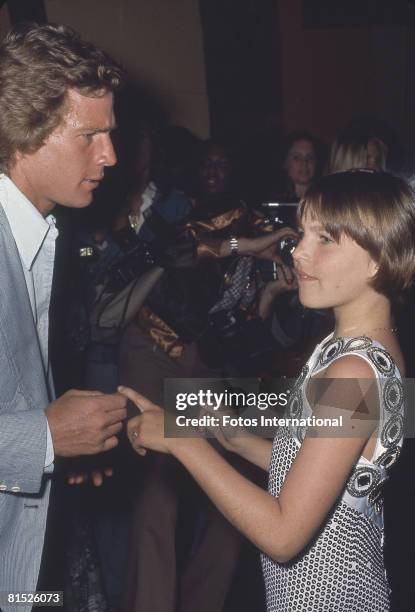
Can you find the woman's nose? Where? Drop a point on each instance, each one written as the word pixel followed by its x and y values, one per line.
pixel 299 251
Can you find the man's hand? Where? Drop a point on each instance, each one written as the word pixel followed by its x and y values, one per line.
pixel 85 422
pixel 96 476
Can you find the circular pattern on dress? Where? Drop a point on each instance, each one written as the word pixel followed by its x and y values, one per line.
pixel 295 406
pixel 301 378
pixel 375 498
pixel 389 457
pixel 358 344
pixel 301 432
pixel 331 350
pixel 382 360
pixel 392 431
pixel 363 481
pixel 393 394
pixel 342 568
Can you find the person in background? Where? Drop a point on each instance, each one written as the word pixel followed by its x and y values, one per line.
pixel 301 164
pixel 361 144
pixel 295 328
pixel 163 342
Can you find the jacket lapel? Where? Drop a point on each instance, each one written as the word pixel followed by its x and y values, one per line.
pixel 17 323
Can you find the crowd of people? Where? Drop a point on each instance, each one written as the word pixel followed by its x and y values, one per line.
pixel 186 268
pixel 187 276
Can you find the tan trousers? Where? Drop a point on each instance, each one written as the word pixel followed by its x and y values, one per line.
pixel 155 582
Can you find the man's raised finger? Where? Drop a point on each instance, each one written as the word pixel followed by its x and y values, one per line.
pixel 113 401
pixel 116 416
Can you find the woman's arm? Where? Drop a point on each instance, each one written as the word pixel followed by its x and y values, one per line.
pixel 281 527
pixel 261 246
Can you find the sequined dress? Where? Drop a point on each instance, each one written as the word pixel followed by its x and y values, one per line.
pixel 342 569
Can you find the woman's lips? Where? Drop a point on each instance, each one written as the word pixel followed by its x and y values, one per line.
pixel 302 276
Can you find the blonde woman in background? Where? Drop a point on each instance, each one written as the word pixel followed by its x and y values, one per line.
pixel 359 145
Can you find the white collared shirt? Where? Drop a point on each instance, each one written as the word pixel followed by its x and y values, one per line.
pixel 35 239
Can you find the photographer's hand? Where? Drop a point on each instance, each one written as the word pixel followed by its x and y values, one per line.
pixel 285 282
pixel 261 246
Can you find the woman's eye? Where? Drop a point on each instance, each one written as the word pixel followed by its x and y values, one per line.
pixel 325 238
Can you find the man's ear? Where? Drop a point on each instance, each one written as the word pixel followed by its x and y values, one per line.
pixel 373 268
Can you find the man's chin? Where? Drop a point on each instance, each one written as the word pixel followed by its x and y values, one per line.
pixel 79 203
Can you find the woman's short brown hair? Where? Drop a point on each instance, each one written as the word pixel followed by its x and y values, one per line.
pixel 376 210
pixel 38 65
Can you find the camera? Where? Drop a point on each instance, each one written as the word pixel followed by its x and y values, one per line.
pixel 278 215
pixel 133 260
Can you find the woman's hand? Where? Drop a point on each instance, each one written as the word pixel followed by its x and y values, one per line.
pixel 237 439
pixel 147 429
pixel 229 436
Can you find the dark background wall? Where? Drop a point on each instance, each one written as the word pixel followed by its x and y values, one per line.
pixel 245 65
pixel 357 58
pixel 242 64
pixel 158 41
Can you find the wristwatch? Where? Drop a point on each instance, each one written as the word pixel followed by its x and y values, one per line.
pixel 234 245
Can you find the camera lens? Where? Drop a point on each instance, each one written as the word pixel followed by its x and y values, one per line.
pixel 285 249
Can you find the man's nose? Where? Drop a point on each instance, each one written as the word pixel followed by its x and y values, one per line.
pixel 108 156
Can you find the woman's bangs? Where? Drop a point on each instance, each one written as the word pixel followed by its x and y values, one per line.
pixel 327 212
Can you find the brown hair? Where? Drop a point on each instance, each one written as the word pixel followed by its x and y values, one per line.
pixel 376 210
pixel 38 64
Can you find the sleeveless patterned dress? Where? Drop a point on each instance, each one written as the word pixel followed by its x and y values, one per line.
pixel 342 569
